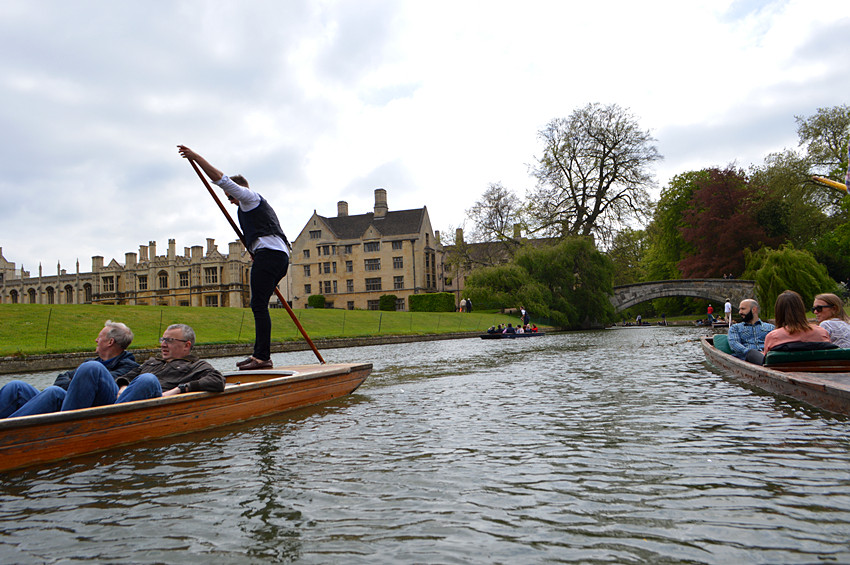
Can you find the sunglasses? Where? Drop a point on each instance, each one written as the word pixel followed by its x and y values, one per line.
pixel 817 309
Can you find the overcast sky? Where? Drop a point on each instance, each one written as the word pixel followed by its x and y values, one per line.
pixel 320 101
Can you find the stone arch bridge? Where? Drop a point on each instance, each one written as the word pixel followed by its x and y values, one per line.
pixel 715 290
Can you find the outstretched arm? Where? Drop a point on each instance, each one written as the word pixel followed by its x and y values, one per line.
pixel 214 174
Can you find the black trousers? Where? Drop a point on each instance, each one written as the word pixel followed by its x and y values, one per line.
pixel 269 267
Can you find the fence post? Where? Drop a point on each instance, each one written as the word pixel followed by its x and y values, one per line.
pixel 380 318
pixel 342 333
pixel 47 329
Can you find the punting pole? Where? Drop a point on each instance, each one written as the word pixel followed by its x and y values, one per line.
pixel 242 239
pixel 830 182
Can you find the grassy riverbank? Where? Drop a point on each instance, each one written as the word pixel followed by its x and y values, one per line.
pixel 29 329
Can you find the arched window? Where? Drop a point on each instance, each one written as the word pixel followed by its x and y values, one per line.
pixel 14 296
pixel 31 293
pixel 69 294
pixel 163 279
pixel 51 295
pixel 87 291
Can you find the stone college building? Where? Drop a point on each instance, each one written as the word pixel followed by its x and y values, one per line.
pixel 351 260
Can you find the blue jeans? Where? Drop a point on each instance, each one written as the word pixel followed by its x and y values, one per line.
pixel 13 395
pixel 92 385
pixel 143 387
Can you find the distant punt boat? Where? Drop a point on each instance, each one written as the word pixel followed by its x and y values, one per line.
pixel 510 336
pixel 33 440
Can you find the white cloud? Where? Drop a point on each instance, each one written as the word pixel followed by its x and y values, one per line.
pixel 317 102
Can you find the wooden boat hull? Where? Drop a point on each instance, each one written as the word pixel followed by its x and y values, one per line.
pixel 38 439
pixel 826 390
pixel 510 336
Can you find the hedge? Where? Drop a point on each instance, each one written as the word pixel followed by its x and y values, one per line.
pixel 432 302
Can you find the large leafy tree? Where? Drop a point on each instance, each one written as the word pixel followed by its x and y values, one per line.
pixel 786 268
pixel 569 283
pixel 627 253
pixel 495 214
pixel 594 173
pixel 824 135
pixel 666 247
pixel 721 223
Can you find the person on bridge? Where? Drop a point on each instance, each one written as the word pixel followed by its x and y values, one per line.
pixel 746 338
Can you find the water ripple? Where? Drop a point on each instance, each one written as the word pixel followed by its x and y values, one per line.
pixel 554 449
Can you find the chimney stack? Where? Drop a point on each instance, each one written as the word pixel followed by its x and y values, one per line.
pixel 341 208
pixel 380 202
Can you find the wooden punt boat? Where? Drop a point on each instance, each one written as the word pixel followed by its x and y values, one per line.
pixel 510 336
pixel 33 440
pixel 819 381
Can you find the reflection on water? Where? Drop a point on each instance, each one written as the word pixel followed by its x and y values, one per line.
pixel 598 447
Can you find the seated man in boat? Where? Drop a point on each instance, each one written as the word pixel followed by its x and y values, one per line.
pixel 746 338
pixel 176 371
pixel 111 348
pixel 509 330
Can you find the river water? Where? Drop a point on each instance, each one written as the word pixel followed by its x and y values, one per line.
pixel 615 446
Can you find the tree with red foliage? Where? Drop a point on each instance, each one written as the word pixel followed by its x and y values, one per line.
pixel 721 222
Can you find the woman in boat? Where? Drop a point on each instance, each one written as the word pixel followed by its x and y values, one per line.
pixel 829 311
pixel 793 331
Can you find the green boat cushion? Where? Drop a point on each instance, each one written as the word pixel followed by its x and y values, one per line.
pixel 776 357
pixel 721 342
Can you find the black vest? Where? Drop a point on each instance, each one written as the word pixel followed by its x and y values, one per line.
pixel 258 222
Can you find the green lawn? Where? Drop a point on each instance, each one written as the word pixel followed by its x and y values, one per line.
pixel 29 329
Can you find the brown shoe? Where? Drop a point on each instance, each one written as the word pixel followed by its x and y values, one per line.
pixel 257 364
pixel 244 362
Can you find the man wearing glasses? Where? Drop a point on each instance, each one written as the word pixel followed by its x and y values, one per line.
pixel 175 371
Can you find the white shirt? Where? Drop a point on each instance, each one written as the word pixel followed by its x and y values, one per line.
pixel 839 332
pixel 248 200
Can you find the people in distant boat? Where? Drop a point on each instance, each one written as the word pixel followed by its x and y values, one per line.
pixel 793 331
pixel 509 329
pixel 639 319
pixel 829 311
pixel 491 330
pixel 268 246
pixel 111 348
pixel 520 329
pixel 175 371
pixel 534 328
pixel 746 338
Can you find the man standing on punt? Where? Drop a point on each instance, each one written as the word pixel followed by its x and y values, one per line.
pixel 266 242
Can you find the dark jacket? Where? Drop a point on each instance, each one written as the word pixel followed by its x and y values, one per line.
pixel 116 366
pixel 198 373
